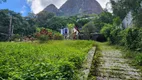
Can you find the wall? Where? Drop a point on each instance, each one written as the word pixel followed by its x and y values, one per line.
pixel 128 20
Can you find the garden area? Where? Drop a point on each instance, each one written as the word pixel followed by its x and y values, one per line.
pixel 46 46
pixel 52 60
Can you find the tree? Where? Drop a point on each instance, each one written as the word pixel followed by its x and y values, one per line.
pixel 80 23
pixel 102 19
pixel 88 29
pixel 43 17
pixel 117 21
pixel 106 30
pixel 122 7
pixel 22 26
pixel 56 23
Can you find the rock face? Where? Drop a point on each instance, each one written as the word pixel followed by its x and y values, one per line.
pixel 51 8
pixel 74 7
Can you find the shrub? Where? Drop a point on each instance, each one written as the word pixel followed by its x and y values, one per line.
pixel 133 39
pixel 88 29
pixel 15 37
pixel 48 34
pixel 43 35
pixel 43 38
pixel 130 37
pixel 138 59
pixel 106 30
pixel 114 37
pixel 57 36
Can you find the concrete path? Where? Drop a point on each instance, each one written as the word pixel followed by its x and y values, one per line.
pixel 114 67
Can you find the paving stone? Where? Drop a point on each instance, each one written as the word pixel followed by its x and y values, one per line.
pixel 114 67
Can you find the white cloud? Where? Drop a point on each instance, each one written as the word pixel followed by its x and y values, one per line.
pixel 23 9
pixel 39 5
pixel 103 2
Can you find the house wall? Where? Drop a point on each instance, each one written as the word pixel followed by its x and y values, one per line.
pixel 128 20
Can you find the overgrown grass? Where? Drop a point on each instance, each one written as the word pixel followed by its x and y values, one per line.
pixel 96 62
pixel 51 60
pixel 134 56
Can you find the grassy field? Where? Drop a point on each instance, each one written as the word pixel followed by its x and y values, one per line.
pixel 51 60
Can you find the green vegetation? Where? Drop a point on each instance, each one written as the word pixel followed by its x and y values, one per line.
pixel 96 62
pixel 44 35
pixel 134 56
pixel 122 7
pixel 130 38
pixel 88 29
pixel 51 60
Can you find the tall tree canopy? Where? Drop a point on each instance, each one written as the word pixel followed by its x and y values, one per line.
pixel 21 25
pixel 122 7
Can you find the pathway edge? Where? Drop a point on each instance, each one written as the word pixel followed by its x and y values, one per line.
pixel 87 64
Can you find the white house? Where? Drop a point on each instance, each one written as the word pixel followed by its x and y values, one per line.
pixel 128 20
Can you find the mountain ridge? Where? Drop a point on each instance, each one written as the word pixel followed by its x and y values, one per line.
pixel 74 7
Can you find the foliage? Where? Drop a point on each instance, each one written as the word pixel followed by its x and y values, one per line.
pixel 114 37
pixel 80 23
pixel 88 29
pixel 122 7
pixel 43 17
pixel 106 17
pixel 15 37
pixel 22 26
pixel 50 61
pixel 130 38
pixel 56 23
pixel 103 18
pixel 117 21
pixel 70 26
pixel 106 30
pixel 138 19
pixel 47 34
pixel 57 36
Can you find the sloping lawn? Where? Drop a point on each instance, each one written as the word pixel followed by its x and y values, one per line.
pixel 52 60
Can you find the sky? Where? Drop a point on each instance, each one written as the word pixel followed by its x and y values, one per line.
pixel 35 6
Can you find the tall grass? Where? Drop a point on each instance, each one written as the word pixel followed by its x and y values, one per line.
pixel 51 60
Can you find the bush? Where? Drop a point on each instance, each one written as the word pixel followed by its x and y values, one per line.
pixel 138 59
pixel 16 37
pixel 106 30
pixel 48 34
pixel 57 36
pixel 114 37
pixel 88 29
pixel 43 38
pixel 134 39
pixel 130 37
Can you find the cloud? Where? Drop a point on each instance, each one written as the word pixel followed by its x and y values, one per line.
pixel 39 5
pixel 103 3
pixel 23 9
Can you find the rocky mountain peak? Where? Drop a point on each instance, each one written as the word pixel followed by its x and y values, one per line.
pixel 74 7
pixel 51 8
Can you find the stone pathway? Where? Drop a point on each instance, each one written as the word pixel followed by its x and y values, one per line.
pixel 114 67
